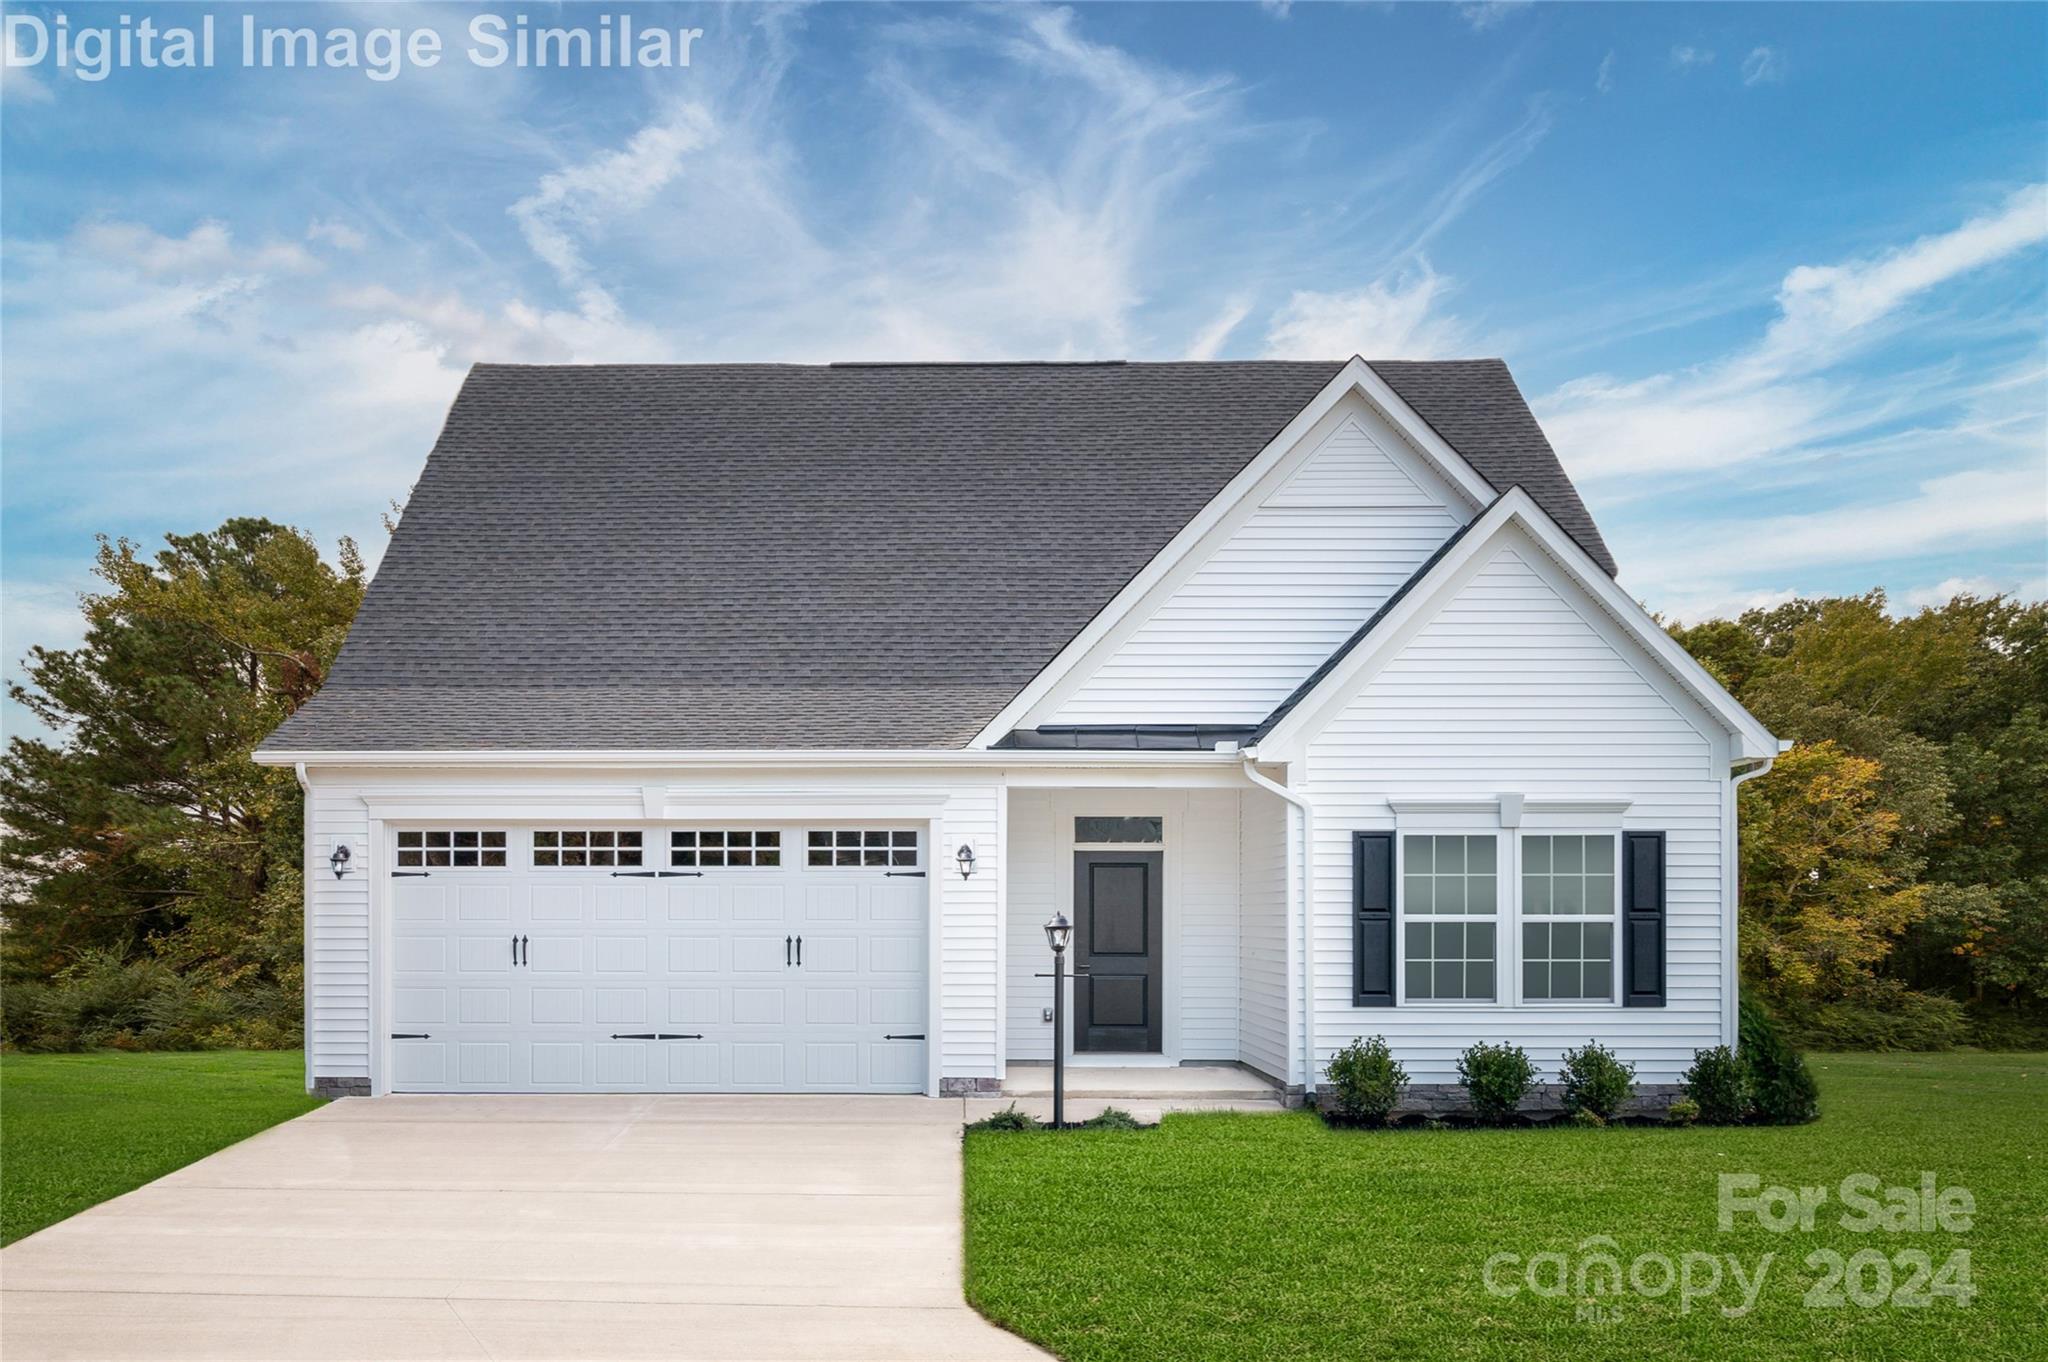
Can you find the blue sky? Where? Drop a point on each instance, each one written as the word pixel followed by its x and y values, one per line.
pixel 1773 276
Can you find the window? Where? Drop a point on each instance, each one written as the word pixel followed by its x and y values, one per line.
pixel 1568 911
pixel 446 847
pixel 1449 911
pixel 862 846
pixel 715 847
pixel 586 848
pixel 1148 830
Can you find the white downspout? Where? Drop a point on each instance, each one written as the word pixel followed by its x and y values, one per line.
pixel 1308 934
pixel 305 916
pixel 1731 850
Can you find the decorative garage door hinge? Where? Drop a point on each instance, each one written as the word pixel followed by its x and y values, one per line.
pixel 652 1035
pixel 410 1035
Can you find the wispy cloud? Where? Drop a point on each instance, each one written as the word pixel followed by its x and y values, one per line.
pixel 1688 57
pixel 1387 319
pixel 1209 341
pixel 1603 79
pixel 1490 13
pixel 1763 66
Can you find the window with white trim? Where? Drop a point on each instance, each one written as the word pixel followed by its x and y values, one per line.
pixel 1450 911
pixel 1568 915
pixel 724 847
pixel 458 849
pixel 861 846
pixel 569 848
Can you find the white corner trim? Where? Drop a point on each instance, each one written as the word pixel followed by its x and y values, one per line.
pixel 1355 377
pixel 1518 510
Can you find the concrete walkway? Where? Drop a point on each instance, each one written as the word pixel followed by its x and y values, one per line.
pixel 553 1227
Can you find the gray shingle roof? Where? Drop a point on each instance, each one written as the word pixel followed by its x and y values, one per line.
pixel 738 556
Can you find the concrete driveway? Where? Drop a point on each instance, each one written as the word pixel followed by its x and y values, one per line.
pixel 527 1227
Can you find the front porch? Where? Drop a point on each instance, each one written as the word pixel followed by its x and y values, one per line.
pixel 1181 961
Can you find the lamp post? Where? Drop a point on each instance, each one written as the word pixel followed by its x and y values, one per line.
pixel 1057 933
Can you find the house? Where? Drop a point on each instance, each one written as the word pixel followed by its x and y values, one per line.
pixel 739 728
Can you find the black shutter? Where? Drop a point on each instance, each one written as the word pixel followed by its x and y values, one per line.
pixel 1642 919
pixel 1372 919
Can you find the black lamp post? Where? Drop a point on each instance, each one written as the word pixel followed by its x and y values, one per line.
pixel 1057 933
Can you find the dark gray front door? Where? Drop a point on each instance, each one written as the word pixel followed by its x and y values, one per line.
pixel 1119 907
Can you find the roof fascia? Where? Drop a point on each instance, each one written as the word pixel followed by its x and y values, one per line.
pixel 1355 377
pixel 749 757
pixel 1288 739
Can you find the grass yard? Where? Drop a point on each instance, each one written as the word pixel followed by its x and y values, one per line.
pixel 1270 1236
pixel 77 1129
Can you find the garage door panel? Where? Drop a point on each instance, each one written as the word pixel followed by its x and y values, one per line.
pixel 706 965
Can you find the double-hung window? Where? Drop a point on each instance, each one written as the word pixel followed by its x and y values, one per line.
pixel 1569 906
pixel 1450 919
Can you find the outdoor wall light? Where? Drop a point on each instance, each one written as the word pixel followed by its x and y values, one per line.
pixel 965 857
pixel 339 860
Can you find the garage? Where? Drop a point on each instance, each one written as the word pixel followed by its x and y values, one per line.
pixel 755 958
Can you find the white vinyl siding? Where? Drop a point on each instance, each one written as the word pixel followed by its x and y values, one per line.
pixel 1265 1017
pixel 1278 591
pixel 338 937
pixel 1517 682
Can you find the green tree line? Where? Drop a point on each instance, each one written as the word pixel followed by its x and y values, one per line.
pixel 1894 862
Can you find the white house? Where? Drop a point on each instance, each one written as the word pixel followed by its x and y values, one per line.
pixel 738 728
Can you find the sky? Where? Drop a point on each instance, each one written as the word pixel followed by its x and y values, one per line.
pixel 1774 277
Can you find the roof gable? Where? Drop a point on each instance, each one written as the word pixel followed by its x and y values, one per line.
pixel 736 556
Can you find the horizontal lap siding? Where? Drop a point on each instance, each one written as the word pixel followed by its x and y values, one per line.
pixel 1262 970
pixel 1205 937
pixel 338 938
pixel 1281 592
pixel 969 952
pixel 1034 897
pixel 1509 688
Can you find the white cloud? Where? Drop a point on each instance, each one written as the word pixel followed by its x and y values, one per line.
pixel 1486 14
pixel 1915 599
pixel 337 234
pixel 1279 9
pixel 1687 57
pixel 19 83
pixel 1387 319
pixel 1208 342
pixel 1777 395
pixel 1603 79
pixel 207 251
pixel 1763 66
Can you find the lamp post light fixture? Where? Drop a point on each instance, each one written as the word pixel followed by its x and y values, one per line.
pixel 964 858
pixel 339 860
pixel 1058 933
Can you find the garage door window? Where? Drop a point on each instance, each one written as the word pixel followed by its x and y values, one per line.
pixel 449 847
pixel 862 846
pixel 715 847
pixel 568 849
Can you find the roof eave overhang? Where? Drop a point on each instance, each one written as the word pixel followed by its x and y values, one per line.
pixel 941 758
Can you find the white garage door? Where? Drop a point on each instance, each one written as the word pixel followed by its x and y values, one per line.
pixel 755 958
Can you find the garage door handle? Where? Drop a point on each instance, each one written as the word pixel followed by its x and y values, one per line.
pixel 799 952
pixel 918 1036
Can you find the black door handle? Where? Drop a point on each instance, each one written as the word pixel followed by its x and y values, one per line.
pixel 799 952
pixel 515 950
pixel 525 951
pixel 785 952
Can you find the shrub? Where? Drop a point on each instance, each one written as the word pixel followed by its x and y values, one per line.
pixel 1781 1091
pixel 1881 1015
pixel 1112 1118
pixel 1495 1077
pixel 104 1001
pixel 1683 1112
pixel 1718 1086
pixel 1366 1081
pixel 1595 1081
pixel 1587 1117
pixel 1009 1118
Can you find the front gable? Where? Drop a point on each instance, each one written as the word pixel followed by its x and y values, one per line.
pixel 1325 534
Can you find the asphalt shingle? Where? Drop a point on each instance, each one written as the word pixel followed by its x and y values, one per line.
pixel 737 556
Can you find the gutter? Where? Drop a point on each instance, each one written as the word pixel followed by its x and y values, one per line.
pixel 1308 935
pixel 753 756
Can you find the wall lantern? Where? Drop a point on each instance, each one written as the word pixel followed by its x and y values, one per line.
pixel 965 857
pixel 339 860
pixel 1058 932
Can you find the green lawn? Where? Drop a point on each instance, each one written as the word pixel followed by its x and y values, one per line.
pixel 77 1129
pixel 1270 1236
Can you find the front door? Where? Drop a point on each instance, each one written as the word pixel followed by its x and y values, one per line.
pixel 1119 908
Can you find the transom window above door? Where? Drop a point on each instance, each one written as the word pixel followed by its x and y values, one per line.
pixel 568 848
pixel 716 847
pixel 861 846
pixel 1119 831
pixel 451 847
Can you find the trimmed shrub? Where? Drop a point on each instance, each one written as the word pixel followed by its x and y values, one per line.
pixel 1366 1081
pixel 1683 1112
pixel 1781 1091
pixel 1009 1118
pixel 1718 1086
pixel 1595 1081
pixel 1495 1077
pixel 1112 1118
pixel 1592 1120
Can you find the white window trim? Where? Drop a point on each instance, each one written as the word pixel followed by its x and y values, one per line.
pixel 1613 999
pixel 534 850
pixel 1503 841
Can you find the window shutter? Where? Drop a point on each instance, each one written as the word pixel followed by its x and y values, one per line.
pixel 1642 919
pixel 1372 919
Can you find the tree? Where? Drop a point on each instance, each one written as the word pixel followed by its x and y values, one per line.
pixel 143 827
